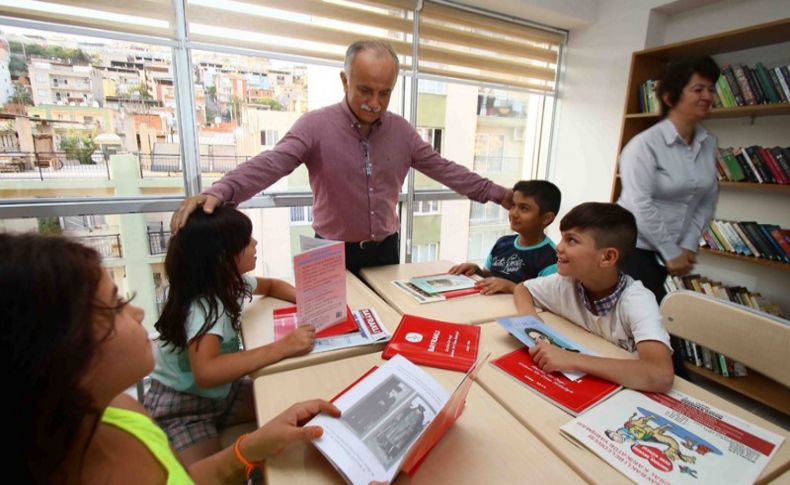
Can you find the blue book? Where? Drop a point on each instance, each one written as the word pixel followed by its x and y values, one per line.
pixel 530 329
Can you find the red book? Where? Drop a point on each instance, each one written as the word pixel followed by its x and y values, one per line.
pixel 434 343
pixel 285 323
pixel 573 396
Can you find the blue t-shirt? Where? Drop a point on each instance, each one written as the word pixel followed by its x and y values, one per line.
pixel 512 261
pixel 172 366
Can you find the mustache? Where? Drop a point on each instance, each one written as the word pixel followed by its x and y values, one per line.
pixel 365 107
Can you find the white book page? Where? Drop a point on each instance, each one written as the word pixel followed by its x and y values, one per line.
pixel 382 417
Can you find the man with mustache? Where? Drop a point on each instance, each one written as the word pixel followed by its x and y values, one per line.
pixel 357 155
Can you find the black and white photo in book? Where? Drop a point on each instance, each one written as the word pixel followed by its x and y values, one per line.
pixel 390 440
pixel 369 411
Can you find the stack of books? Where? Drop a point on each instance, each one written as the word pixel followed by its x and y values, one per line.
pixel 741 85
pixel 767 241
pixel 648 99
pixel 754 164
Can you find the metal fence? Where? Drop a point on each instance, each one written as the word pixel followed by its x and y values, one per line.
pixel 162 165
pixel 109 246
pixel 157 242
pixel 51 165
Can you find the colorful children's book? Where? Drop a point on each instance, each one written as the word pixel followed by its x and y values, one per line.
pixel 391 419
pixel 435 343
pixel 572 396
pixel 530 330
pixel 320 280
pixel 674 439
pixel 362 327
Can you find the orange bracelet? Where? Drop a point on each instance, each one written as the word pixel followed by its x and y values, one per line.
pixel 249 466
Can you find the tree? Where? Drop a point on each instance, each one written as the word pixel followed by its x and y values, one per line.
pixel 142 90
pixel 49 226
pixel 272 103
pixel 21 95
pixel 78 148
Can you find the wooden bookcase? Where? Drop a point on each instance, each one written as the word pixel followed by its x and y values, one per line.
pixel 650 64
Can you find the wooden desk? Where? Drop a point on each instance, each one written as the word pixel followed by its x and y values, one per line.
pixel 544 419
pixel 257 326
pixel 469 309
pixel 486 445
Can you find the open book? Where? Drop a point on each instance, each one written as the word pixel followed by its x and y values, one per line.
pixel 361 327
pixel 673 438
pixel 530 330
pixel 438 287
pixel 320 277
pixel 390 420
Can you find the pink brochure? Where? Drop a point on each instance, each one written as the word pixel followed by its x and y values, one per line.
pixel 320 276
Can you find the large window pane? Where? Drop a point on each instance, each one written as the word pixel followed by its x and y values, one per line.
pixel 88 117
pixel 497 133
pixel 132 247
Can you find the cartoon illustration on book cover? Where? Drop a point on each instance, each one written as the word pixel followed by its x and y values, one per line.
pixel 660 443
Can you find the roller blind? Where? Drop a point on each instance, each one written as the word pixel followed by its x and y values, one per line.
pixel 312 28
pixel 147 17
pixel 466 45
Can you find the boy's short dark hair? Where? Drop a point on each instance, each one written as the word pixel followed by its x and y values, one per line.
pixel 611 225
pixel 545 193
pixel 678 74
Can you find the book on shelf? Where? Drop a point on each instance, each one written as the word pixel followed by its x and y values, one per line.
pixel 361 327
pixel 391 419
pixel 716 289
pixel 673 438
pixel 530 330
pixel 742 85
pixel 648 99
pixel 439 287
pixel 754 164
pixel 748 238
pixel 435 343
pixel 320 280
pixel 572 396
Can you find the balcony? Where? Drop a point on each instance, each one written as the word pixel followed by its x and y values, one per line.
pixel 109 246
pixel 162 165
pixel 157 242
pixel 500 107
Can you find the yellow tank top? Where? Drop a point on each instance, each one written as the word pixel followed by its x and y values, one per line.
pixel 149 434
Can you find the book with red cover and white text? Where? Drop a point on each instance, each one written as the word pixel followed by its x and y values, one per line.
pixel 435 343
pixel 362 327
pixel 572 396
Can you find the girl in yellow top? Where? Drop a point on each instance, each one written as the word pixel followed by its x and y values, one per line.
pixel 74 347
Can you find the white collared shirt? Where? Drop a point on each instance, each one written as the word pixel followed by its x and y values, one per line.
pixel 669 186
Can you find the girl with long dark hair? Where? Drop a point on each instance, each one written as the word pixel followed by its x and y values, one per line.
pixel 199 385
pixel 72 346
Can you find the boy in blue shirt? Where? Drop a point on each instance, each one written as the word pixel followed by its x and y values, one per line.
pixel 527 254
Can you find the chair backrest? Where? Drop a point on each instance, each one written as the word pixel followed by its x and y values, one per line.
pixel 758 340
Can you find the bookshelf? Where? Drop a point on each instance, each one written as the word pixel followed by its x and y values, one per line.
pixel 649 64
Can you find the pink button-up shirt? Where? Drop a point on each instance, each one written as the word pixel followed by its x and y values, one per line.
pixel 355 180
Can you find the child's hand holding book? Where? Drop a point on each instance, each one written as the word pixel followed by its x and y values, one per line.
pixel 298 342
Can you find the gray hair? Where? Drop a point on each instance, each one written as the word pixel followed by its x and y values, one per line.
pixel 379 47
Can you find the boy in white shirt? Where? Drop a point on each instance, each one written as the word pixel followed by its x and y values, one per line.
pixel 590 291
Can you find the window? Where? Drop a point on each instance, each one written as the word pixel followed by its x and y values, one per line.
pixel 480 244
pixel 432 136
pixel 487 214
pixel 426 207
pixel 269 137
pixel 83 223
pixel 489 152
pixel 301 215
pixel 425 252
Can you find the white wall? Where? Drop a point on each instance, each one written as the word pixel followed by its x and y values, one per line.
pixel 592 96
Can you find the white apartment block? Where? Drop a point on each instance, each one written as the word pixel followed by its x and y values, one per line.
pixel 58 83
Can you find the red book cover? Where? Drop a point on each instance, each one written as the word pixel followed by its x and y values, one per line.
pixel 434 343
pixel 285 323
pixel 573 396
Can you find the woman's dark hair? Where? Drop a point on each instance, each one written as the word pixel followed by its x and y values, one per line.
pixel 678 74
pixel 201 267
pixel 47 298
